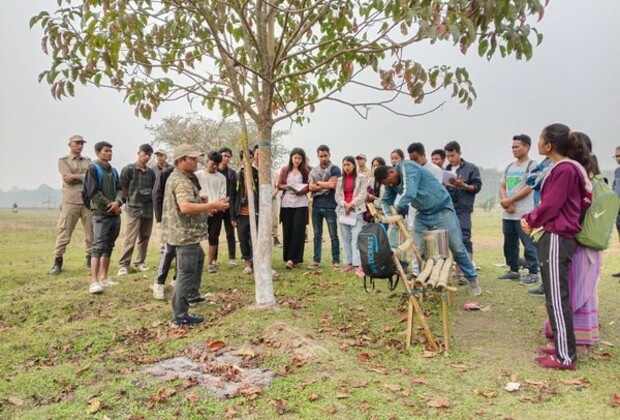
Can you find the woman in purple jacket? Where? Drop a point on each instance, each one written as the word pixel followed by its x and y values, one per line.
pixel 565 194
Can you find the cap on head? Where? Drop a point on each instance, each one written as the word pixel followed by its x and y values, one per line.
pixel 76 138
pixel 360 156
pixel 160 152
pixel 185 150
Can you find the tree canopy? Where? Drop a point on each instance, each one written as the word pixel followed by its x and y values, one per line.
pixel 269 61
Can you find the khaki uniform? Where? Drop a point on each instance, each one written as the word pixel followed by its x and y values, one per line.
pixel 72 208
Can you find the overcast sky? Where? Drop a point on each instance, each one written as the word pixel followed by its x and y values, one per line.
pixel 573 78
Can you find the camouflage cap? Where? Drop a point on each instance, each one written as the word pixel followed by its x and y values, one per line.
pixel 185 150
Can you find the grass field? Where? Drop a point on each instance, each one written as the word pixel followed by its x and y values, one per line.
pixel 338 351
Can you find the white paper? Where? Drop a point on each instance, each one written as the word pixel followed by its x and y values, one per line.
pixel 347 219
pixel 447 176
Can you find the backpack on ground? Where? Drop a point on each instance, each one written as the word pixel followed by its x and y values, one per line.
pixel 376 255
pixel 85 196
pixel 599 219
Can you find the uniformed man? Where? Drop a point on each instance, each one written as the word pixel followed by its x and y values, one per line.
pixel 72 168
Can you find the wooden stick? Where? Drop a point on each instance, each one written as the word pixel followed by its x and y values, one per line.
pixel 409 324
pixel 432 280
pixel 416 307
pixel 428 268
pixel 407 235
pixel 446 322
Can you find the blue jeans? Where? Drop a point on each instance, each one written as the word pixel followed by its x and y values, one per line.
pixel 447 220
pixel 190 261
pixel 512 234
pixel 318 214
pixel 349 241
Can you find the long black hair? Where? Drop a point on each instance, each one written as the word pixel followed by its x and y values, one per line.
pixel 566 143
pixel 579 136
pixel 377 185
pixel 350 159
pixel 303 168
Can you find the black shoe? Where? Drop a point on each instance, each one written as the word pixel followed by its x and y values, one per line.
pixel 87 264
pixel 616 275
pixel 188 321
pixel 511 275
pixel 57 268
pixel 539 291
pixel 196 300
pixel 463 281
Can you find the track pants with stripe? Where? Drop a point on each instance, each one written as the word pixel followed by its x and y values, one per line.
pixel 554 256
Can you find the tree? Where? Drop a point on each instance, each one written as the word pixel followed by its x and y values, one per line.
pixel 272 61
pixel 208 134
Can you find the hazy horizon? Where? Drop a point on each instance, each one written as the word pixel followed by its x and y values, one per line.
pixel 572 78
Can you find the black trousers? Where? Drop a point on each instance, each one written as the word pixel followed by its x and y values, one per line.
pixel 294 221
pixel 554 256
pixel 230 237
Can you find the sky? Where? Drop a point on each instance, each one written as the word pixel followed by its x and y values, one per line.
pixel 572 78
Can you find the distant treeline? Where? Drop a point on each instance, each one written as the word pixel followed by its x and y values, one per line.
pixel 48 197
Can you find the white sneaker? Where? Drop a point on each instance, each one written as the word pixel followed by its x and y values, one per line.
pixel 211 268
pixel 247 270
pixel 108 283
pixel 232 264
pixel 123 271
pixel 158 291
pixel 142 267
pixel 95 288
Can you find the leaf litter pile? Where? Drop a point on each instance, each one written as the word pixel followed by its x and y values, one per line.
pixel 226 373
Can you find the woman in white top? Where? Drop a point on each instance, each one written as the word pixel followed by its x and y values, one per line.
pixel 351 197
pixel 293 181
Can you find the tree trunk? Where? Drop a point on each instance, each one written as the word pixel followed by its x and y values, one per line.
pixel 263 246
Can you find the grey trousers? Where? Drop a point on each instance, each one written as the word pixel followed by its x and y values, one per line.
pixel 190 262
pixel 137 234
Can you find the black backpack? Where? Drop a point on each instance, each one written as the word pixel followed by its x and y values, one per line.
pixel 376 255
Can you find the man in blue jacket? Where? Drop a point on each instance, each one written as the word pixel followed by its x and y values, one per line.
pixel 420 189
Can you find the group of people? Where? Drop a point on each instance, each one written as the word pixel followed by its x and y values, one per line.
pixel 438 193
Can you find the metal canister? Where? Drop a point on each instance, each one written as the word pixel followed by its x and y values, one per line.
pixel 436 244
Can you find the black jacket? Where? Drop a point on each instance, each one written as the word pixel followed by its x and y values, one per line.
pixel 237 199
pixel 464 200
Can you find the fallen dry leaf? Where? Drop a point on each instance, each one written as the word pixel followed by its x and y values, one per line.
pixel 178 333
pixel 606 343
pixel 461 367
pixel 342 395
pixel 94 405
pixel 438 403
pixel 603 355
pixel 280 405
pixel 406 392
pixel 405 371
pixel 487 394
pixel 363 357
pixel 16 401
pixel 192 398
pixel 314 396
pixel 378 369
pixel 429 354
pixel 615 402
pixel 332 410
pixel 190 382
pixel 578 382
pixel 364 406
pixel 215 346
pixel 417 381
pixel 298 362
pixel 361 383
pixel 392 387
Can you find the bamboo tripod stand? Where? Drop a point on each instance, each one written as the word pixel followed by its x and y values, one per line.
pixel 414 308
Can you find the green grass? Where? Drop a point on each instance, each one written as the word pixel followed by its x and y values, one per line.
pixel 60 346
